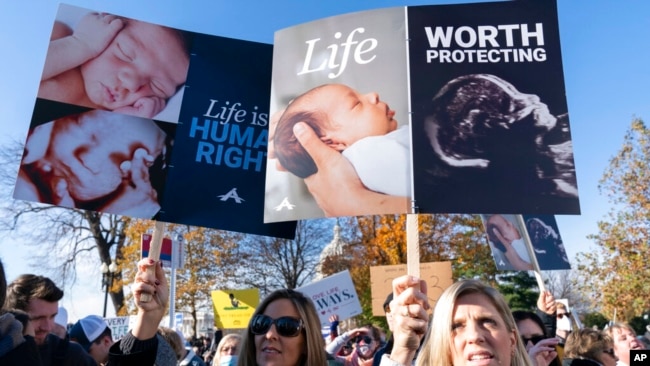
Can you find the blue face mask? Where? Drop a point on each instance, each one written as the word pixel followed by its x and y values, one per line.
pixel 228 361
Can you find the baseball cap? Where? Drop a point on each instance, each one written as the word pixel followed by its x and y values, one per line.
pixel 61 317
pixel 86 330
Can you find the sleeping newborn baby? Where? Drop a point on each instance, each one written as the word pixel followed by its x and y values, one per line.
pixel 115 64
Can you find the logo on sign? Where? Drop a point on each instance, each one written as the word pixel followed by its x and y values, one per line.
pixel 284 204
pixel 232 194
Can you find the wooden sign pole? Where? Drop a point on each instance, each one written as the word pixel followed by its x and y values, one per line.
pixel 154 252
pixel 412 245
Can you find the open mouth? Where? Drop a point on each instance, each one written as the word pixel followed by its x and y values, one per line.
pixel 480 356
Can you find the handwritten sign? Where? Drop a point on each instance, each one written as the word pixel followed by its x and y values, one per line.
pixel 436 274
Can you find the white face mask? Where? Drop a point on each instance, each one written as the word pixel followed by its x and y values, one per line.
pixel 363 349
pixel 564 324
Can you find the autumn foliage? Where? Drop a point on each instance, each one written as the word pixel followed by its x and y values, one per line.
pixel 618 271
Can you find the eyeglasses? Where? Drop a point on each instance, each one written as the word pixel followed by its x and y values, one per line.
pixel 535 339
pixel 366 339
pixel 561 315
pixel 286 326
pixel 609 352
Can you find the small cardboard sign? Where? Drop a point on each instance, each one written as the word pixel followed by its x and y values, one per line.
pixel 436 274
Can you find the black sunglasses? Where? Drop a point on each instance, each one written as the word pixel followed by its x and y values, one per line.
pixel 286 326
pixel 561 315
pixel 535 339
pixel 366 339
pixel 609 352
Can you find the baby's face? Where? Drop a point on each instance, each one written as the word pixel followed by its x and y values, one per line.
pixel 87 151
pixel 143 60
pixel 354 115
pixel 522 105
pixel 505 227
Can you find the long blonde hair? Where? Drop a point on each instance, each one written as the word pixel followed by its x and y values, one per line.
pixel 436 349
pixel 228 338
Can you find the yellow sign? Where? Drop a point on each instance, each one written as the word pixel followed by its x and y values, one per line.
pixel 234 308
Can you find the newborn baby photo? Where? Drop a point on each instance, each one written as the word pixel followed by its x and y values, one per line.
pixel 108 62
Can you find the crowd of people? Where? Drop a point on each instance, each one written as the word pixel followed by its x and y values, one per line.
pixel 471 325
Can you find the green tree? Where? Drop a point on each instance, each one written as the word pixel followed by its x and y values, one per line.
pixel 594 319
pixel 618 270
pixel 638 324
pixel 520 290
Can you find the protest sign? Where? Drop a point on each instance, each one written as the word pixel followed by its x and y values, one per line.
pixel 158 123
pixel 436 274
pixel 234 308
pixel 333 295
pixel 470 93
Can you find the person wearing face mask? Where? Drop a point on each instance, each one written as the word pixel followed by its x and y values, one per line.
pixel 624 338
pixel 563 324
pixel 227 349
pixel 367 339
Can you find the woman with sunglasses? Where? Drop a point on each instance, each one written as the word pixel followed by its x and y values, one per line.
pixel 284 331
pixel 367 341
pixel 589 347
pixel 541 349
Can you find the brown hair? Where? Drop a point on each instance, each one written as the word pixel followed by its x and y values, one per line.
pixel 586 343
pixel 174 340
pixel 314 354
pixel 29 286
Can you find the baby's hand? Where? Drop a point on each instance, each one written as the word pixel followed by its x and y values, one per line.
pixel 137 197
pixel 95 31
pixel 148 107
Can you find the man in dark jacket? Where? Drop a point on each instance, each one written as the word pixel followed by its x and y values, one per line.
pixel 39 297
